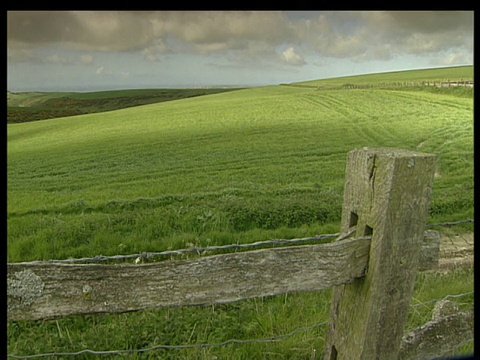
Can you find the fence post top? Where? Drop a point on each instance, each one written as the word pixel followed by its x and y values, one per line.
pixel 391 152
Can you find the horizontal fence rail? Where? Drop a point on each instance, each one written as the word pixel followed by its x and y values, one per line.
pixel 63 289
pixel 59 287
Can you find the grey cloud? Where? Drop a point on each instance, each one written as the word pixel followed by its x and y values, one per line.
pixel 383 35
pixel 92 30
pixel 37 27
pixel 361 36
pixel 130 30
pixel 230 28
pixel 153 34
pixel 428 22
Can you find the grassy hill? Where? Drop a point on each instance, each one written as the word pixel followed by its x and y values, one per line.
pixel 239 166
pixel 250 160
pixel 32 106
pixel 459 73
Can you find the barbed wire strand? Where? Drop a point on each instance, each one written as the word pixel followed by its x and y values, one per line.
pixel 175 347
pixel 199 250
pixel 445 298
pixel 228 342
pixel 450 223
pixel 232 341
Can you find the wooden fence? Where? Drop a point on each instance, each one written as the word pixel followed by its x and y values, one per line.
pixel 388 85
pixel 385 209
pixel 449 83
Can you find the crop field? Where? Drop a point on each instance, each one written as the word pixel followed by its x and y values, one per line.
pixel 232 167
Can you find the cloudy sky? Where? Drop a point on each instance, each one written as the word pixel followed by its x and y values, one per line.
pixel 97 50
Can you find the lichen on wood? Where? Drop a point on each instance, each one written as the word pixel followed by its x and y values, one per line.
pixel 23 288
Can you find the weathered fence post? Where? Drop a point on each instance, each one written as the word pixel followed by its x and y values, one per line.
pixel 387 193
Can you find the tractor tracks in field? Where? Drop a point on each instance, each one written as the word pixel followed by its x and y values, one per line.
pixel 436 101
pixel 330 103
pixel 355 117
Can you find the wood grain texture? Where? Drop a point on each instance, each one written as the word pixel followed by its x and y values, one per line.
pixel 53 290
pixel 387 193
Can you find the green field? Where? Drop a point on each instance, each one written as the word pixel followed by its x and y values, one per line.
pixel 32 106
pixel 461 73
pixel 239 166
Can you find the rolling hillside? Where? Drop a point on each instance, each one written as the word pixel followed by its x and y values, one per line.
pixel 232 167
pixel 460 73
pixel 251 159
pixel 32 106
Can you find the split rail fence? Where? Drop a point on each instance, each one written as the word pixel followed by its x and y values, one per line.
pixel 371 268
